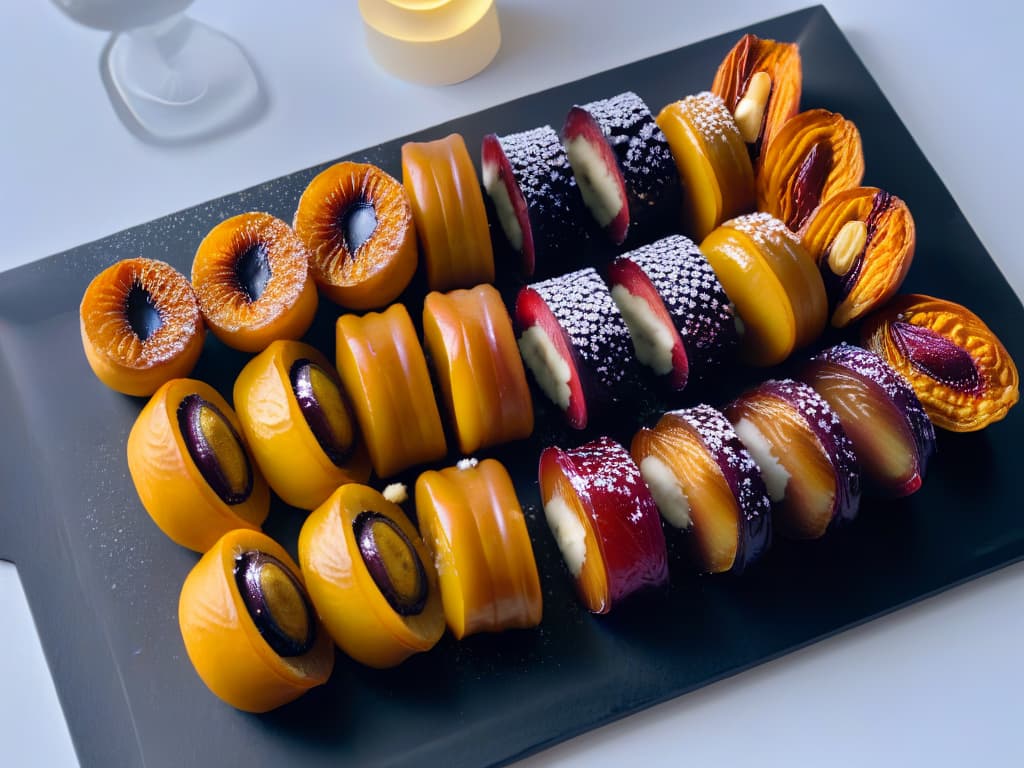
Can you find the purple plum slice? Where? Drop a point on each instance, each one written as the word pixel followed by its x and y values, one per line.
pixel 623 166
pixel 806 459
pixel 891 433
pixel 575 343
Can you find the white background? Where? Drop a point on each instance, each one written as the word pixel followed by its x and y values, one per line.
pixel 937 684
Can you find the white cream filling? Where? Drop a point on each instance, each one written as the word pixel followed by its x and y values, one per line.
pixel 652 341
pixel 396 493
pixel 569 533
pixel 549 368
pixel 499 195
pixel 775 476
pixel 667 492
pixel 598 185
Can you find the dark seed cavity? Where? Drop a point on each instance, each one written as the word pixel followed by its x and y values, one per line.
pixel 277 603
pixel 252 270
pixel 357 223
pixel 392 561
pixel 318 394
pixel 141 312
pixel 936 356
pixel 216 449
pixel 810 182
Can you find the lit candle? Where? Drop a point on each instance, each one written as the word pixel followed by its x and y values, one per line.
pixel 434 42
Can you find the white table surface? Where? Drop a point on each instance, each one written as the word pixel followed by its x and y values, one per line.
pixel 936 684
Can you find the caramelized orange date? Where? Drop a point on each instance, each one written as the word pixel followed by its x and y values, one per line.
pixel 814 156
pixel 863 240
pixel 760 82
pixel 958 368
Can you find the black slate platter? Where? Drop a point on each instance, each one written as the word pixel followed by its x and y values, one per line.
pixel 103 582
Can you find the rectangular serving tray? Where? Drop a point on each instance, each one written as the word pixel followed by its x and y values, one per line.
pixel 103 582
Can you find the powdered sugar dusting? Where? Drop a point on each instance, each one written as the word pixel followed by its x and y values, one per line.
pixel 693 296
pixel 584 307
pixel 763 228
pixel 708 114
pixel 648 170
pixel 541 170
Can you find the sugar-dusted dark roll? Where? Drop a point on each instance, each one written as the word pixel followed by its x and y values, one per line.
pixel 528 178
pixel 682 323
pixel 574 341
pixel 624 167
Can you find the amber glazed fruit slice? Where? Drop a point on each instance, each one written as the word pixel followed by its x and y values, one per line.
pixel 357 225
pixel 774 284
pixel 474 528
pixel 863 240
pixel 141 326
pixel 808 463
pixel 604 521
pixel 961 372
pixel 191 466
pixel 298 423
pixel 385 376
pixel 248 625
pixel 251 275
pixel 760 82
pixel 707 485
pixel 711 159
pixel 471 343
pixel 448 208
pixel 814 156
pixel 370 577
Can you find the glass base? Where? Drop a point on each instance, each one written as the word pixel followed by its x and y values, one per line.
pixel 180 79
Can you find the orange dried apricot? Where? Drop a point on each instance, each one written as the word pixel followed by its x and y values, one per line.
pixel 251 275
pixel 815 155
pixel 863 240
pixel 760 82
pixel 140 325
pixel 357 225
pixel 960 371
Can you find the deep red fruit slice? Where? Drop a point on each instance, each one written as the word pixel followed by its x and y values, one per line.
pixel 576 344
pixel 532 312
pixel 624 167
pixel 604 520
pixel 497 170
pixel 656 340
pixel 529 179
pixel 597 172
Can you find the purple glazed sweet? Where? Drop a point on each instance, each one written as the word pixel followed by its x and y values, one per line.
pixel 891 433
